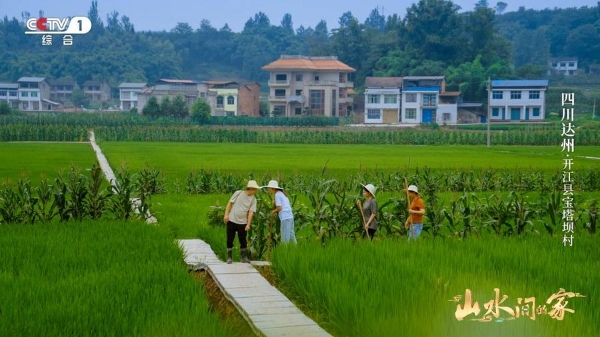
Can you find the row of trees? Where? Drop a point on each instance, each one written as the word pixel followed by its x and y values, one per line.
pixel 432 38
pixel 200 110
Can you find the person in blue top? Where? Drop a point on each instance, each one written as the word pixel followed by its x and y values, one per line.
pixel 283 207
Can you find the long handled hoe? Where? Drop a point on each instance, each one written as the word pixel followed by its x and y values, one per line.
pixel 362 214
pixel 408 205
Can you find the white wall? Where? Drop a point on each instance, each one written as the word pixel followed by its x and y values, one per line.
pixel 446 108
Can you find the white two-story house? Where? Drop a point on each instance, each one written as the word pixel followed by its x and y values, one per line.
pixel 313 85
pixel 128 94
pixel 410 100
pixel 382 99
pixel 34 94
pixel 9 93
pixel 564 65
pixel 518 100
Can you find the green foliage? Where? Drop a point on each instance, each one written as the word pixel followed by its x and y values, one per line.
pixel 79 99
pixel 125 273
pixel 432 34
pixel 200 111
pixel 386 288
pixel 166 108
pixel 152 107
pixel 4 108
pixel 179 106
pixel 79 197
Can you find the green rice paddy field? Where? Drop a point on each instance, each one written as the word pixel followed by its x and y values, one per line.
pixel 385 288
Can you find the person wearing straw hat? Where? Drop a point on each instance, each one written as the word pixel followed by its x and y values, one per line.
pixel 283 207
pixel 369 210
pixel 416 211
pixel 238 217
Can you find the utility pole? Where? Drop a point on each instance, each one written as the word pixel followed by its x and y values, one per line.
pixel 489 89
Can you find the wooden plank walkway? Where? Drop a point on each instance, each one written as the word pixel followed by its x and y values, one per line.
pixel 266 309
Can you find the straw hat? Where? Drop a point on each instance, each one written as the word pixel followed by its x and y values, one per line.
pixel 413 188
pixel 274 184
pixel 252 184
pixel 370 188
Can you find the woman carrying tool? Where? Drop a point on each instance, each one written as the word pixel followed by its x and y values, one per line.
pixel 416 210
pixel 369 210
pixel 283 207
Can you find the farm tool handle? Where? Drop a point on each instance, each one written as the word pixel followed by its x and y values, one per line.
pixel 362 214
pixel 408 203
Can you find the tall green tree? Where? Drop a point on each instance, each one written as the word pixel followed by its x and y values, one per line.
pixel 152 107
pixel 179 106
pixel 200 111
pixel 79 99
pixel 433 29
pixel 166 108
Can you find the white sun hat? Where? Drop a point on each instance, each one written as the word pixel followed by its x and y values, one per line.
pixel 274 184
pixel 413 188
pixel 370 188
pixel 252 184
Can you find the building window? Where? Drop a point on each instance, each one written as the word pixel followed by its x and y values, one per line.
pixel 279 110
pixel 571 64
pixel 316 78
pixel 281 78
pixel 563 64
pixel 343 92
pixel 446 116
pixel 373 99
pixel 411 98
pixel 411 113
pixel 534 95
pixel 497 94
pixel 373 114
pixel 280 93
pixel 317 101
pixel 495 112
pixel 390 99
pixel 343 77
pixel 571 72
pixel 429 99
pixel 12 94
pixel 219 101
pixel 536 112
pixel 230 100
pixel 34 94
pixel 298 77
pixel 24 94
pixel 202 94
pixel 298 111
pixel 298 92
pixel 515 95
pixel 554 64
pixel 2 92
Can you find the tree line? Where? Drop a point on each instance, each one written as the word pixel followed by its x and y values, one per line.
pixel 434 37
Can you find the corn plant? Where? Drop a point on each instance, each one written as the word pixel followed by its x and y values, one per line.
pixel 27 202
pixel 123 190
pixel 98 197
pixel 46 208
pixel 9 204
pixel 60 192
pixel 77 188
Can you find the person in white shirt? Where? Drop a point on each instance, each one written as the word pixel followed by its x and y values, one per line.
pixel 238 217
pixel 283 207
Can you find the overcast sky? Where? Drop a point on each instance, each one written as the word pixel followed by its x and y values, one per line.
pixel 164 15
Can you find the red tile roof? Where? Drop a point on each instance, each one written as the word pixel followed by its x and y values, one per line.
pixel 308 63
